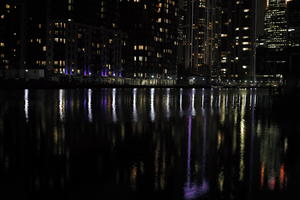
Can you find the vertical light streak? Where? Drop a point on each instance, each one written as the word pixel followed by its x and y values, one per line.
pixel 168 103
pixel 202 98
pixel 242 138
pixel 113 104
pixel 180 102
pixel 134 110
pixel 193 102
pixel 61 104
pixel 152 110
pixel 90 111
pixel 26 104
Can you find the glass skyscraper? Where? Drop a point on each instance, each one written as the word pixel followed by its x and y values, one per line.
pixel 276 29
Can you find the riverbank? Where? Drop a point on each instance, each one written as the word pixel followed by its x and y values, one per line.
pixel 118 83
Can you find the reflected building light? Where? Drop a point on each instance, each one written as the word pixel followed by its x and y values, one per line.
pixel 26 104
pixel 168 103
pixel 104 102
pixel 254 98
pixel 202 98
pixel 211 100
pixel 223 109
pixel 226 100
pixel 236 108
pixel 58 140
pixel 282 177
pixel 242 137
pixel 134 109
pixel 113 104
pixel 286 145
pixel 193 190
pixel 221 180
pixel 272 182
pixel 162 181
pixel 61 104
pixel 193 111
pixel 262 175
pixel 152 110
pixel 234 139
pixel 180 103
pixel 233 101
pixel 90 111
pixel 133 177
pixel 156 165
pixel 219 101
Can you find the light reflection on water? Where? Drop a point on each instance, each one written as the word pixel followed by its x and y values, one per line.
pixel 26 104
pixel 187 143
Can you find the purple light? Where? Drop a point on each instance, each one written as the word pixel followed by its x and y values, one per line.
pixel 104 72
pixel 193 191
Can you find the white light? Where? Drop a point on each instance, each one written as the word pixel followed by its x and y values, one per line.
pixel 114 113
pixel 135 116
pixel 61 106
pixel 90 113
pixel 26 104
pixel 152 111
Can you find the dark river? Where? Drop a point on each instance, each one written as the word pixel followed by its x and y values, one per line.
pixel 167 144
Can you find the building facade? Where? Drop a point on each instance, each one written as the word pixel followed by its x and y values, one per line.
pixel 276 27
pixel 11 35
pixel 201 35
pixel 276 41
pixel 70 37
pixel 150 48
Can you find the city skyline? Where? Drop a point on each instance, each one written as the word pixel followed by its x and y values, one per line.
pixel 142 39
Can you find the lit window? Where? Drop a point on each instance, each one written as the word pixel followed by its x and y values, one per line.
pixel 246 49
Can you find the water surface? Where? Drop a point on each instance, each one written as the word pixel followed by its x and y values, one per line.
pixel 146 144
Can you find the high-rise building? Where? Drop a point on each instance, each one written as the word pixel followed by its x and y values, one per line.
pixel 11 35
pixel 201 34
pixel 70 37
pixel 276 29
pixel 150 48
pixel 276 41
pixel 226 40
pixel 293 13
pixel 244 37
pixel 293 18
pixel 237 39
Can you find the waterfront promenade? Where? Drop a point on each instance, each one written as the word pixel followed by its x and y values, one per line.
pixel 67 82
